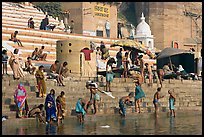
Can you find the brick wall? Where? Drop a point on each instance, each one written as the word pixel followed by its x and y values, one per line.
pixel 83 13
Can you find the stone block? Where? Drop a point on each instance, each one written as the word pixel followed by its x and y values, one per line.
pixel 73 112
pixel 163 109
pixel 144 104
pixel 33 88
pixel 7 101
pixel 12 107
pixel 149 109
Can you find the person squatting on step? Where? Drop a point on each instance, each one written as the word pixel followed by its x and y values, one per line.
pixel 37 111
pixel 81 109
pixel 125 100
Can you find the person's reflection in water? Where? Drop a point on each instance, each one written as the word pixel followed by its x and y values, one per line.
pixel 122 125
pixel 172 125
pixel 21 131
pixel 123 122
pixel 51 129
pixel 157 126
pixel 60 129
pixel 79 128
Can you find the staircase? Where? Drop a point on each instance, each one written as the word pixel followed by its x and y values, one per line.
pixel 188 92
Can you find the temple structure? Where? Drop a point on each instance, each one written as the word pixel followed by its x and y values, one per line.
pixel 143 34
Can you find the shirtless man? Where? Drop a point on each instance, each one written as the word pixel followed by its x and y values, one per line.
pixel 141 67
pixel 125 100
pixel 157 96
pixel 150 74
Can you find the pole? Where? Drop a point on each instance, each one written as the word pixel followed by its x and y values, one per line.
pixel 170 63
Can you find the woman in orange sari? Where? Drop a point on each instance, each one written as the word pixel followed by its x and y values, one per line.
pixel 61 106
pixel 41 81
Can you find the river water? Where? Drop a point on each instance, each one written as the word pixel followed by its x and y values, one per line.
pixel 134 124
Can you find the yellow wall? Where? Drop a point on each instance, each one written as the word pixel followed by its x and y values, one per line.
pixel 76 61
pixel 86 18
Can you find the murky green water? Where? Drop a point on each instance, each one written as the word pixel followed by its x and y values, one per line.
pixel 137 124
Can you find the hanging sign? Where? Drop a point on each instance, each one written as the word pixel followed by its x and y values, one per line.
pixel 102 11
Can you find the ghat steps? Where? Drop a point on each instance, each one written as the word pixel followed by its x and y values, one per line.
pixel 188 92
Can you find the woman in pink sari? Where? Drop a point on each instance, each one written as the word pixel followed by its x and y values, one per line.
pixel 21 102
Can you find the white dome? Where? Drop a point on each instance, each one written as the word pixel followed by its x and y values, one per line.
pixel 143 29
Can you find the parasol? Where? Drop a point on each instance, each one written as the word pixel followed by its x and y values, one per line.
pixel 131 44
pixel 168 52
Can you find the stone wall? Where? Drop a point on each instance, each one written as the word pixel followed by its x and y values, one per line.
pixel 70 51
pixel 86 19
pixel 168 23
pixel 75 9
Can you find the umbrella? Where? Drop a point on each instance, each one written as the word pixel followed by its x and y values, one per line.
pixel 168 52
pixel 131 44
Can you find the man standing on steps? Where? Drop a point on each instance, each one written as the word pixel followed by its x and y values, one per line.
pixel 107 27
pixel 46 22
pixel 141 61
pixel 109 73
pixel 156 103
pixel 66 19
pixel 119 26
pixel 72 27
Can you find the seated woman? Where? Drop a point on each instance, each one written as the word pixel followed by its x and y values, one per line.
pixel 182 72
pixel 168 73
pixel 167 70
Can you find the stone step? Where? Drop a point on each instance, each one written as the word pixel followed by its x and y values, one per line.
pixel 10 114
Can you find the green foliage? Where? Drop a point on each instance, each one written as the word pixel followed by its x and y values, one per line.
pixel 52 8
pixel 129 13
pixel 121 16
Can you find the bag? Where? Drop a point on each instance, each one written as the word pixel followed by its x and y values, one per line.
pixel 121 67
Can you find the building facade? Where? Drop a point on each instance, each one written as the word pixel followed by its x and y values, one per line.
pixel 173 24
pixel 90 17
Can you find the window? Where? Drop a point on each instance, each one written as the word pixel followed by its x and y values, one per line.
pixel 99 33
